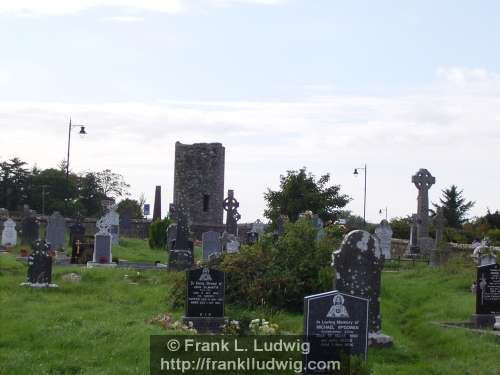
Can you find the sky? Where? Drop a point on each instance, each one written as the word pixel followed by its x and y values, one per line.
pixel 282 84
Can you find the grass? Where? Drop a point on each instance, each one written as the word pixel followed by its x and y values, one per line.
pixel 99 325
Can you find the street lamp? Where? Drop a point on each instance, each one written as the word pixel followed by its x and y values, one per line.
pixel 82 132
pixel 356 173
pixel 380 213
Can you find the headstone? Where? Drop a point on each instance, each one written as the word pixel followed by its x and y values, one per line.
pixel 210 243
pixel 181 257
pixel 103 241
pixel 384 234
pixel 76 232
pixel 111 220
pixel 439 223
pixel 233 246
pixel 423 181
pixel 29 230
pixel 157 205
pixel 318 226
pixel 358 265
pixel 171 234
pixel 56 231
pixel 487 295
pixel 413 245
pixel 231 207
pixel 258 227
pixel 252 238
pixel 40 266
pixel 9 234
pixel 205 299
pixel 335 326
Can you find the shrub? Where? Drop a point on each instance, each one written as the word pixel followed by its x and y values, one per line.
pixel 279 275
pixel 158 234
pixel 494 235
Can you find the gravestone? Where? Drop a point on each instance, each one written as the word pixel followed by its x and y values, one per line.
pixel 232 246
pixel 439 224
pixel 29 230
pixel 210 244
pixel 76 232
pixel 103 242
pixel 205 299
pixel 56 231
pixel 181 257
pixel 318 226
pixel 413 245
pixel 487 295
pixel 115 227
pixel 171 234
pixel 484 255
pixel 9 233
pixel 231 207
pixel 384 234
pixel 358 265
pixel 40 266
pixel 157 204
pixel 335 326
pixel 252 238
pixel 423 181
pixel 258 227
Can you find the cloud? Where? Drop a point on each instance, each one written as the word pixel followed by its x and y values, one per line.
pixel 62 7
pixel 452 131
pixel 463 77
pixel 125 19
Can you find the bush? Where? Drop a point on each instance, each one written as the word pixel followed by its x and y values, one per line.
pixel 494 236
pixel 158 234
pixel 401 228
pixel 279 275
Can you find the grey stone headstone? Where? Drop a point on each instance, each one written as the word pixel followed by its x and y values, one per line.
pixel 29 230
pixel 258 227
pixel 358 265
pixel 171 234
pixel 439 223
pixel 210 244
pixel 126 223
pixel 102 248
pixel 56 231
pixel 9 233
pixel 182 230
pixel 233 246
pixel 180 260
pixel 384 234
pixel 40 264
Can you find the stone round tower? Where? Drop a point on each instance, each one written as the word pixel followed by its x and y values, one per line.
pixel 199 184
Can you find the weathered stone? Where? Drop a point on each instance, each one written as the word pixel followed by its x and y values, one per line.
pixel 157 206
pixel 171 234
pixel 439 224
pixel 9 233
pixel 56 231
pixel 358 265
pixel 199 184
pixel 384 234
pixel 210 244
pixel 29 230
pixel 231 207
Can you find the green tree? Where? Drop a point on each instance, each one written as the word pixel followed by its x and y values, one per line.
pixel 299 192
pixel 455 207
pixel 112 184
pixel 90 194
pixel 492 219
pixel 14 184
pixel 131 205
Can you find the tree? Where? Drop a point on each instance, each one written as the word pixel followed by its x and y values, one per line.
pixel 112 184
pixel 90 194
pixel 132 206
pixel 455 207
pixel 14 184
pixel 300 192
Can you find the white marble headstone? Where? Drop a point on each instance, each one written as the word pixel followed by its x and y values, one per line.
pixel 9 233
pixel 384 234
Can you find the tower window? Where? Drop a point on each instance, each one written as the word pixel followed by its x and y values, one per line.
pixel 206 202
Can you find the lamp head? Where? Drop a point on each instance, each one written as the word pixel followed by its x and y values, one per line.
pixel 355 172
pixel 82 130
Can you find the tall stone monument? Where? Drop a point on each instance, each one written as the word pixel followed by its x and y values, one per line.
pixel 358 266
pixel 157 206
pixel 199 184
pixel 181 256
pixel 423 181
pixel 231 207
pixel 384 234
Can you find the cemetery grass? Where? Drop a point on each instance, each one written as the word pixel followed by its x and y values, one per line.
pixel 101 325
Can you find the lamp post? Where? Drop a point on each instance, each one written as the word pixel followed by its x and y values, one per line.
pixel 82 132
pixel 381 211
pixel 356 173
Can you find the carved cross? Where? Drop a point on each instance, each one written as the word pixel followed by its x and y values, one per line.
pixel 423 179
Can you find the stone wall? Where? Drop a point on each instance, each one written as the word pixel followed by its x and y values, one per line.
pixel 199 184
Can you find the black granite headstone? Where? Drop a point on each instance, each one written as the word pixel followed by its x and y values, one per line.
pixel 336 326
pixel 205 293
pixel 40 264
pixel 488 289
pixel 76 233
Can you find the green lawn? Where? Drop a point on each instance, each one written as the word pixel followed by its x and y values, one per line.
pixel 99 326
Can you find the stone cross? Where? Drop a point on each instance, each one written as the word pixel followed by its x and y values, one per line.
pixel 423 180
pixel 439 223
pixel 384 234
pixel 231 207
pixel 358 265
